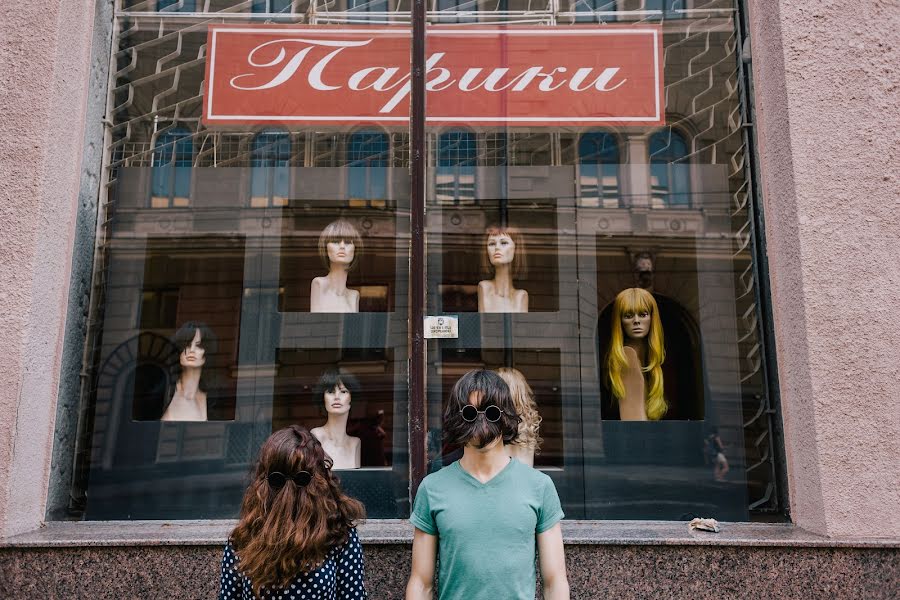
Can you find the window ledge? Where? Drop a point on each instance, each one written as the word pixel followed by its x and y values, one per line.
pixel 399 531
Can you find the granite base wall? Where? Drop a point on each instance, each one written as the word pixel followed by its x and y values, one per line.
pixel 595 571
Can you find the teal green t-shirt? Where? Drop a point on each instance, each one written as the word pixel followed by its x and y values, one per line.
pixel 486 531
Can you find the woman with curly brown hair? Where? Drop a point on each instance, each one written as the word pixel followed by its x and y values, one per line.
pixel 296 536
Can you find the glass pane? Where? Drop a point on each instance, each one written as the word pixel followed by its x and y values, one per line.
pixel 629 303
pixel 247 269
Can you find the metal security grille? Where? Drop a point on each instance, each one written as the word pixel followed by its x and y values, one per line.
pixel 153 120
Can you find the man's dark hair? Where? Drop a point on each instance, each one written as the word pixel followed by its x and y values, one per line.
pixel 491 389
pixel 330 380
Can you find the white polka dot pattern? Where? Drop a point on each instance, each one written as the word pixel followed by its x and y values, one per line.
pixel 340 577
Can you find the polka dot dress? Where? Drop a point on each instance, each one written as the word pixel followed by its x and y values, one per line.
pixel 339 578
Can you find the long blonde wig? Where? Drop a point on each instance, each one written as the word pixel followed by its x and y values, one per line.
pixel 526 408
pixel 634 300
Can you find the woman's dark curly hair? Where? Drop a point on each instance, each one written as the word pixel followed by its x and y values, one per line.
pixel 289 530
pixel 490 389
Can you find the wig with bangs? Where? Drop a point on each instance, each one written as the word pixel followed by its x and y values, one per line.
pixel 635 300
pixel 519 266
pixel 289 530
pixel 490 389
pixel 342 229
pixel 183 339
pixel 526 408
pixel 330 380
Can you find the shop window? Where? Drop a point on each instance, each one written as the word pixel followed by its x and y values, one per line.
pixel 670 169
pixel 586 10
pixel 455 174
pixel 176 5
pixel 367 161
pixel 173 157
pixel 548 247
pixel 598 170
pixel 270 175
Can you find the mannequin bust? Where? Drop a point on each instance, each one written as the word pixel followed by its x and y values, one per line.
pixel 504 256
pixel 529 441
pixel 335 390
pixel 189 401
pixel 339 246
pixel 635 356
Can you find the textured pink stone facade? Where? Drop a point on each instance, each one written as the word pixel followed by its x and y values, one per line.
pixel 827 78
pixel 44 56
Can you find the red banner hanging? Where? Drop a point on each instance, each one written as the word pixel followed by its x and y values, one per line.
pixel 514 76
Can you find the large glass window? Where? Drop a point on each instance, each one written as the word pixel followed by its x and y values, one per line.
pixel 604 266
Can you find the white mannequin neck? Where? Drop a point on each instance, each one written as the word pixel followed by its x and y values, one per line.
pixel 503 281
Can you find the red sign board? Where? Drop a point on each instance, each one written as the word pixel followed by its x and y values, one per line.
pixel 516 76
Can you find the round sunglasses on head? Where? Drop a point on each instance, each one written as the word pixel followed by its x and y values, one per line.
pixel 492 413
pixel 277 480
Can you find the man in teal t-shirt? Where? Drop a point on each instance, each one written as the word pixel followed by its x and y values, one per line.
pixel 484 514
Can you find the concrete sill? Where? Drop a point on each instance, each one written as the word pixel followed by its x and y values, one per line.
pixel 62 534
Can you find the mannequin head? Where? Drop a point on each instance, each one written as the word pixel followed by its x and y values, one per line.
pixel 523 401
pixel 635 321
pixel 480 388
pixel 504 246
pixel 340 244
pixel 197 345
pixel 643 270
pixel 335 390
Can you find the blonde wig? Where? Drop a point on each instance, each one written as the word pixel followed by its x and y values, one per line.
pixel 526 408
pixel 342 229
pixel 519 267
pixel 634 300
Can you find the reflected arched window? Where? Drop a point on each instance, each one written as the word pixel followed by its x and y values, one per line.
pixel 270 154
pixel 598 170
pixel 671 9
pixel 176 5
pixel 670 174
pixel 367 6
pixel 451 8
pixel 173 156
pixel 588 9
pixel 271 6
pixel 367 161
pixel 455 174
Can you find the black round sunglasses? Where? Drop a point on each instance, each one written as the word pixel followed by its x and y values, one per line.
pixel 492 413
pixel 277 479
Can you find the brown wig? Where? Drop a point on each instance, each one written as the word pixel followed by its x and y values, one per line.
pixel 519 266
pixel 342 229
pixel 490 389
pixel 290 530
pixel 330 380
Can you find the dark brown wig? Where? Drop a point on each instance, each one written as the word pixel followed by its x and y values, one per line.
pixel 490 389
pixel 183 339
pixel 287 531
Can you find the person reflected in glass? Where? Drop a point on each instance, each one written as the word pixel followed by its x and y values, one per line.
pixel 489 511
pixel 335 390
pixel 190 401
pixel 296 534
pixel 528 442
pixel 340 246
pixel 635 356
pixel 505 258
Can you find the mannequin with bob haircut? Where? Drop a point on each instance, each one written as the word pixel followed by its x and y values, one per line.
pixel 504 257
pixel 340 246
pixel 334 391
pixel 296 527
pixel 189 400
pixel 529 440
pixel 635 356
